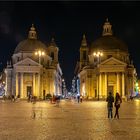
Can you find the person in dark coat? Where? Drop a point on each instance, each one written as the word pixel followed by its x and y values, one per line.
pixel 78 98
pixel 110 100
pixel 118 101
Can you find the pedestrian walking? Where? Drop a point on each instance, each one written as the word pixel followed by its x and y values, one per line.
pixel 81 98
pixel 13 98
pixel 118 101
pixel 110 100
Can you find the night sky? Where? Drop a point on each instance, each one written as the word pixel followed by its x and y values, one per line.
pixel 67 22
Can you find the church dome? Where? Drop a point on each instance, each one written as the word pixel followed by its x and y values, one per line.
pixel 31 44
pixel 107 41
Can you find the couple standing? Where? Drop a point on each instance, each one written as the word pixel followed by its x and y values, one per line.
pixel 110 100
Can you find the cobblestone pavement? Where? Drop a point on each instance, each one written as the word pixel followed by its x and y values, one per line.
pixel 69 121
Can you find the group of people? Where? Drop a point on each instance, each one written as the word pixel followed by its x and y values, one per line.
pixel 117 101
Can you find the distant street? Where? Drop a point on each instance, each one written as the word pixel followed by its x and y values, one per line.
pixel 69 121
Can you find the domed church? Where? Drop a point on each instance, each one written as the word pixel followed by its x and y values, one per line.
pixel 105 66
pixel 34 68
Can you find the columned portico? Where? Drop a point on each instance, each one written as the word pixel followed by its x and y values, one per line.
pixel 28 82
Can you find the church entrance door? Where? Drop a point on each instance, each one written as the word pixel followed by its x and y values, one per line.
pixel 29 90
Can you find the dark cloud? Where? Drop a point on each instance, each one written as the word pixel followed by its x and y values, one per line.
pixel 129 32
pixel 19 37
pixel 5 23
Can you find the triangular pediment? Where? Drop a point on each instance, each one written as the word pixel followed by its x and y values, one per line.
pixel 27 62
pixel 112 61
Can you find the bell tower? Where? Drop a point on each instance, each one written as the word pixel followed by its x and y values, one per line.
pixel 53 51
pixel 84 50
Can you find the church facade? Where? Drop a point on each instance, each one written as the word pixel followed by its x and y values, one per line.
pixel 34 69
pixel 105 66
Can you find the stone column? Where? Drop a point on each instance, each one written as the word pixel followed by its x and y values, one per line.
pixel 34 92
pixel 39 94
pixel 106 84
pixel 100 85
pixel 21 86
pixel 123 85
pixel 17 84
pixel 97 84
pixel 118 82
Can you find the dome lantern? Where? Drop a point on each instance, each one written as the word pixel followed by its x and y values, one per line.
pixel 32 33
pixel 84 41
pixel 53 42
pixel 107 28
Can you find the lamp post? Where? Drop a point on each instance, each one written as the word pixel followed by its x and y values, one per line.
pixel 40 53
pixel 98 55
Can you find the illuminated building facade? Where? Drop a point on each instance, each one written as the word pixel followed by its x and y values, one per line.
pixel 34 68
pixel 105 66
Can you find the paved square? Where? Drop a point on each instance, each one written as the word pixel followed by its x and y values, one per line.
pixel 70 121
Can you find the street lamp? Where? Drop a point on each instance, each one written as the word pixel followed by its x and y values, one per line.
pixel 40 53
pixel 98 55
